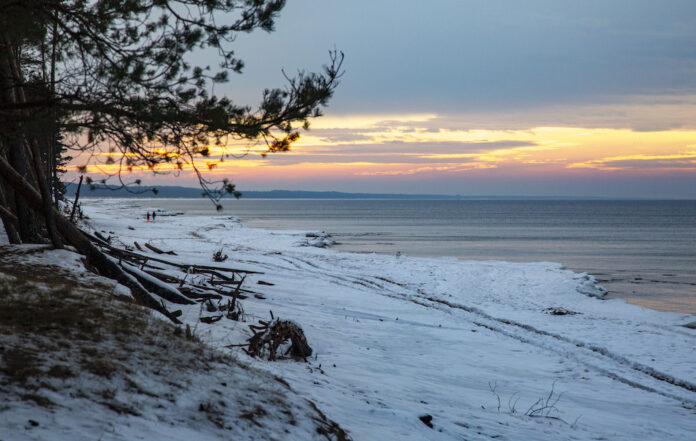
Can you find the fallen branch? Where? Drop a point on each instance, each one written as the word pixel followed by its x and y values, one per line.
pixel 158 251
pixel 211 319
pixel 156 286
pixel 196 268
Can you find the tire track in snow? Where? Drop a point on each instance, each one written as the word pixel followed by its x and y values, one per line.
pixel 663 383
pixel 639 367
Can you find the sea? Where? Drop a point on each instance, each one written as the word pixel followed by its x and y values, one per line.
pixel 640 251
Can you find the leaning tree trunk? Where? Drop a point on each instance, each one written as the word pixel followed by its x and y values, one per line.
pixel 16 155
pixel 9 220
pixel 28 222
pixel 32 155
pixel 48 207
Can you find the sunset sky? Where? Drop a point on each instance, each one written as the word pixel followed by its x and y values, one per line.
pixel 549 98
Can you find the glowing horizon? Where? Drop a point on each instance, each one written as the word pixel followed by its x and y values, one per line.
pixel 416 146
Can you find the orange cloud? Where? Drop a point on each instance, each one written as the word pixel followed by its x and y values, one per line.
pixel 357 146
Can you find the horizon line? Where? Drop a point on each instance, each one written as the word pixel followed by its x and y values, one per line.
pixel 295 194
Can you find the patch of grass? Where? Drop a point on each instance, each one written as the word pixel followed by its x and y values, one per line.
pixel 134 386
pixel 100 366
pixel 213 413
pixel 328 428
pixel 38 399
pixel 108 394
pixel 60 325
pixel 27 308
pixel 121 408
pixel 63 303
pixel 89 351
pixel 19 365
pixel 253 414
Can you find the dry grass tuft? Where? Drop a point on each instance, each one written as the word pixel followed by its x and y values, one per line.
pixel 60 371
pixel 254 414
pixel 100 367
pixel 38 399
pixel 19 365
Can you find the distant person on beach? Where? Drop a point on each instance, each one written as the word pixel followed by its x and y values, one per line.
pixel 153 216
pixel 148 216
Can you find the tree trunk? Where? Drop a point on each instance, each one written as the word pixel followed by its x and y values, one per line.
pixel 35 156
pixel 16 155
pixel 32 150
pixel 53 168
pixel 48 207
pixel 77 198
pixel 28 225
pixel 9 220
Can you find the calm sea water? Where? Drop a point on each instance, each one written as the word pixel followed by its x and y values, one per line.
pixel 642 251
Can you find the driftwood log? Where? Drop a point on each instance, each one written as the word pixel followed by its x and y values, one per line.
pixel 269 336
pixel 176 286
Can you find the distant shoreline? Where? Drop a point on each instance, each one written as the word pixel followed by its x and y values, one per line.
pixel 176 192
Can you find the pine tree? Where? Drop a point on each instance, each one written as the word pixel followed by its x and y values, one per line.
pixel 84 74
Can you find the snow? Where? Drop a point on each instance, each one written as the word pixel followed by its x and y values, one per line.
pixel 471 343
pixel 75 364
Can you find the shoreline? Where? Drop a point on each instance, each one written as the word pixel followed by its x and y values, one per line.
pixel 400 340
pixel 660 287
pixel 396 338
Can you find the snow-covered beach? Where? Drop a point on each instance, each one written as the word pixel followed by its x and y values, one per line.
pixel 488 349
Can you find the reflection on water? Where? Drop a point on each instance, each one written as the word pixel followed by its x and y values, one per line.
pixel 643 251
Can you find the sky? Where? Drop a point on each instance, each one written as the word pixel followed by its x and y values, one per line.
pixel 481 97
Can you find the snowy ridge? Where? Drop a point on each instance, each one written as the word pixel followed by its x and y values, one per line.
pixel 78 364
pixel 470 343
